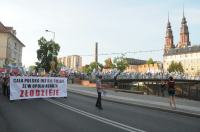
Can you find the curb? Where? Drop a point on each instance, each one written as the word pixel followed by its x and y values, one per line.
pixel 139 105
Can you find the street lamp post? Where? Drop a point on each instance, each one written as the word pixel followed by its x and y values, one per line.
pixel 52 33
pixel 52 62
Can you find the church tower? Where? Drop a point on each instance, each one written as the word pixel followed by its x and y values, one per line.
pixel 169 42
pixel 184 34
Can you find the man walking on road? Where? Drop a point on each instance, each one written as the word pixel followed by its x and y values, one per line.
pixel 99 91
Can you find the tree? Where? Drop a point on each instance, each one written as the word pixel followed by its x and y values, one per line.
pixel 175 67
pixel 86 69
pixel 93 65
pixel 150 61
pixel 120 63
pixel 31 68
pixel 100 66
pixel 89 68
pixel 48 51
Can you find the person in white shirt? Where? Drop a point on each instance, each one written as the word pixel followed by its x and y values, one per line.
pixel 99 92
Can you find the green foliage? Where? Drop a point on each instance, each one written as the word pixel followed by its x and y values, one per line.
pixel 150 61
pixel 60 65
pixel 93 65
pixel 31 68
pixel 48 50
pixel 89 68
pixel 120 63
pixel 86 69
pixel 175 67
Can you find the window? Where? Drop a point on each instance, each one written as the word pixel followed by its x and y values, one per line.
pixel 15 45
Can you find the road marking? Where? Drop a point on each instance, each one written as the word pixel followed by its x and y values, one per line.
pixel 98 118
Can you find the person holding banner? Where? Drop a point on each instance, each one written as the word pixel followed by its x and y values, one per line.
pixel 1 84
pixel 8 87
pixel 99 91
pixel 4 86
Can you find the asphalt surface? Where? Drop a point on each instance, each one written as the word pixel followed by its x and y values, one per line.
pixel 78 113
pixel 183 106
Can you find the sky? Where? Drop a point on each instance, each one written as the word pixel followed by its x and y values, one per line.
pixel 119 26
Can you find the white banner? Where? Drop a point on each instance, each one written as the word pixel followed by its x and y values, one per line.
pixel 24 87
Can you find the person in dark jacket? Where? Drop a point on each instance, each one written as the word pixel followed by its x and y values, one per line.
pixel 171 92
pixel 1 84
pixel 8 87
pixel 4 86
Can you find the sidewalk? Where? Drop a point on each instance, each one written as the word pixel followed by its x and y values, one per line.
pixel 184 106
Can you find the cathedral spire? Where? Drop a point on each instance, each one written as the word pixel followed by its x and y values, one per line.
pixel 169 37
pixel 168 17
pixel 183 11
pixel 184 33
pixel 168 23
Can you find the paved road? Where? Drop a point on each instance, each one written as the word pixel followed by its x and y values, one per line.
pixel 78 113
pixel 184 106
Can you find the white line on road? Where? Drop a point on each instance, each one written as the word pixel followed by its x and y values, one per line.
pixel 98 118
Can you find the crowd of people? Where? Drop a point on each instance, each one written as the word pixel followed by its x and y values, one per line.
pixel 148 75
pixel 114 75
pixel 5 84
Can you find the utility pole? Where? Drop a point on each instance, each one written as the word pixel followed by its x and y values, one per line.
pixel 96 55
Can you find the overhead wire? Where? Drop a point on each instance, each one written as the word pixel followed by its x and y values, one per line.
pixel 120 53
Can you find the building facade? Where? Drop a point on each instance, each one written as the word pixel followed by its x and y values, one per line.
pixel 10 47
pixel 73 61
pixel 141 66
pixel 144 68
pixel 183 52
